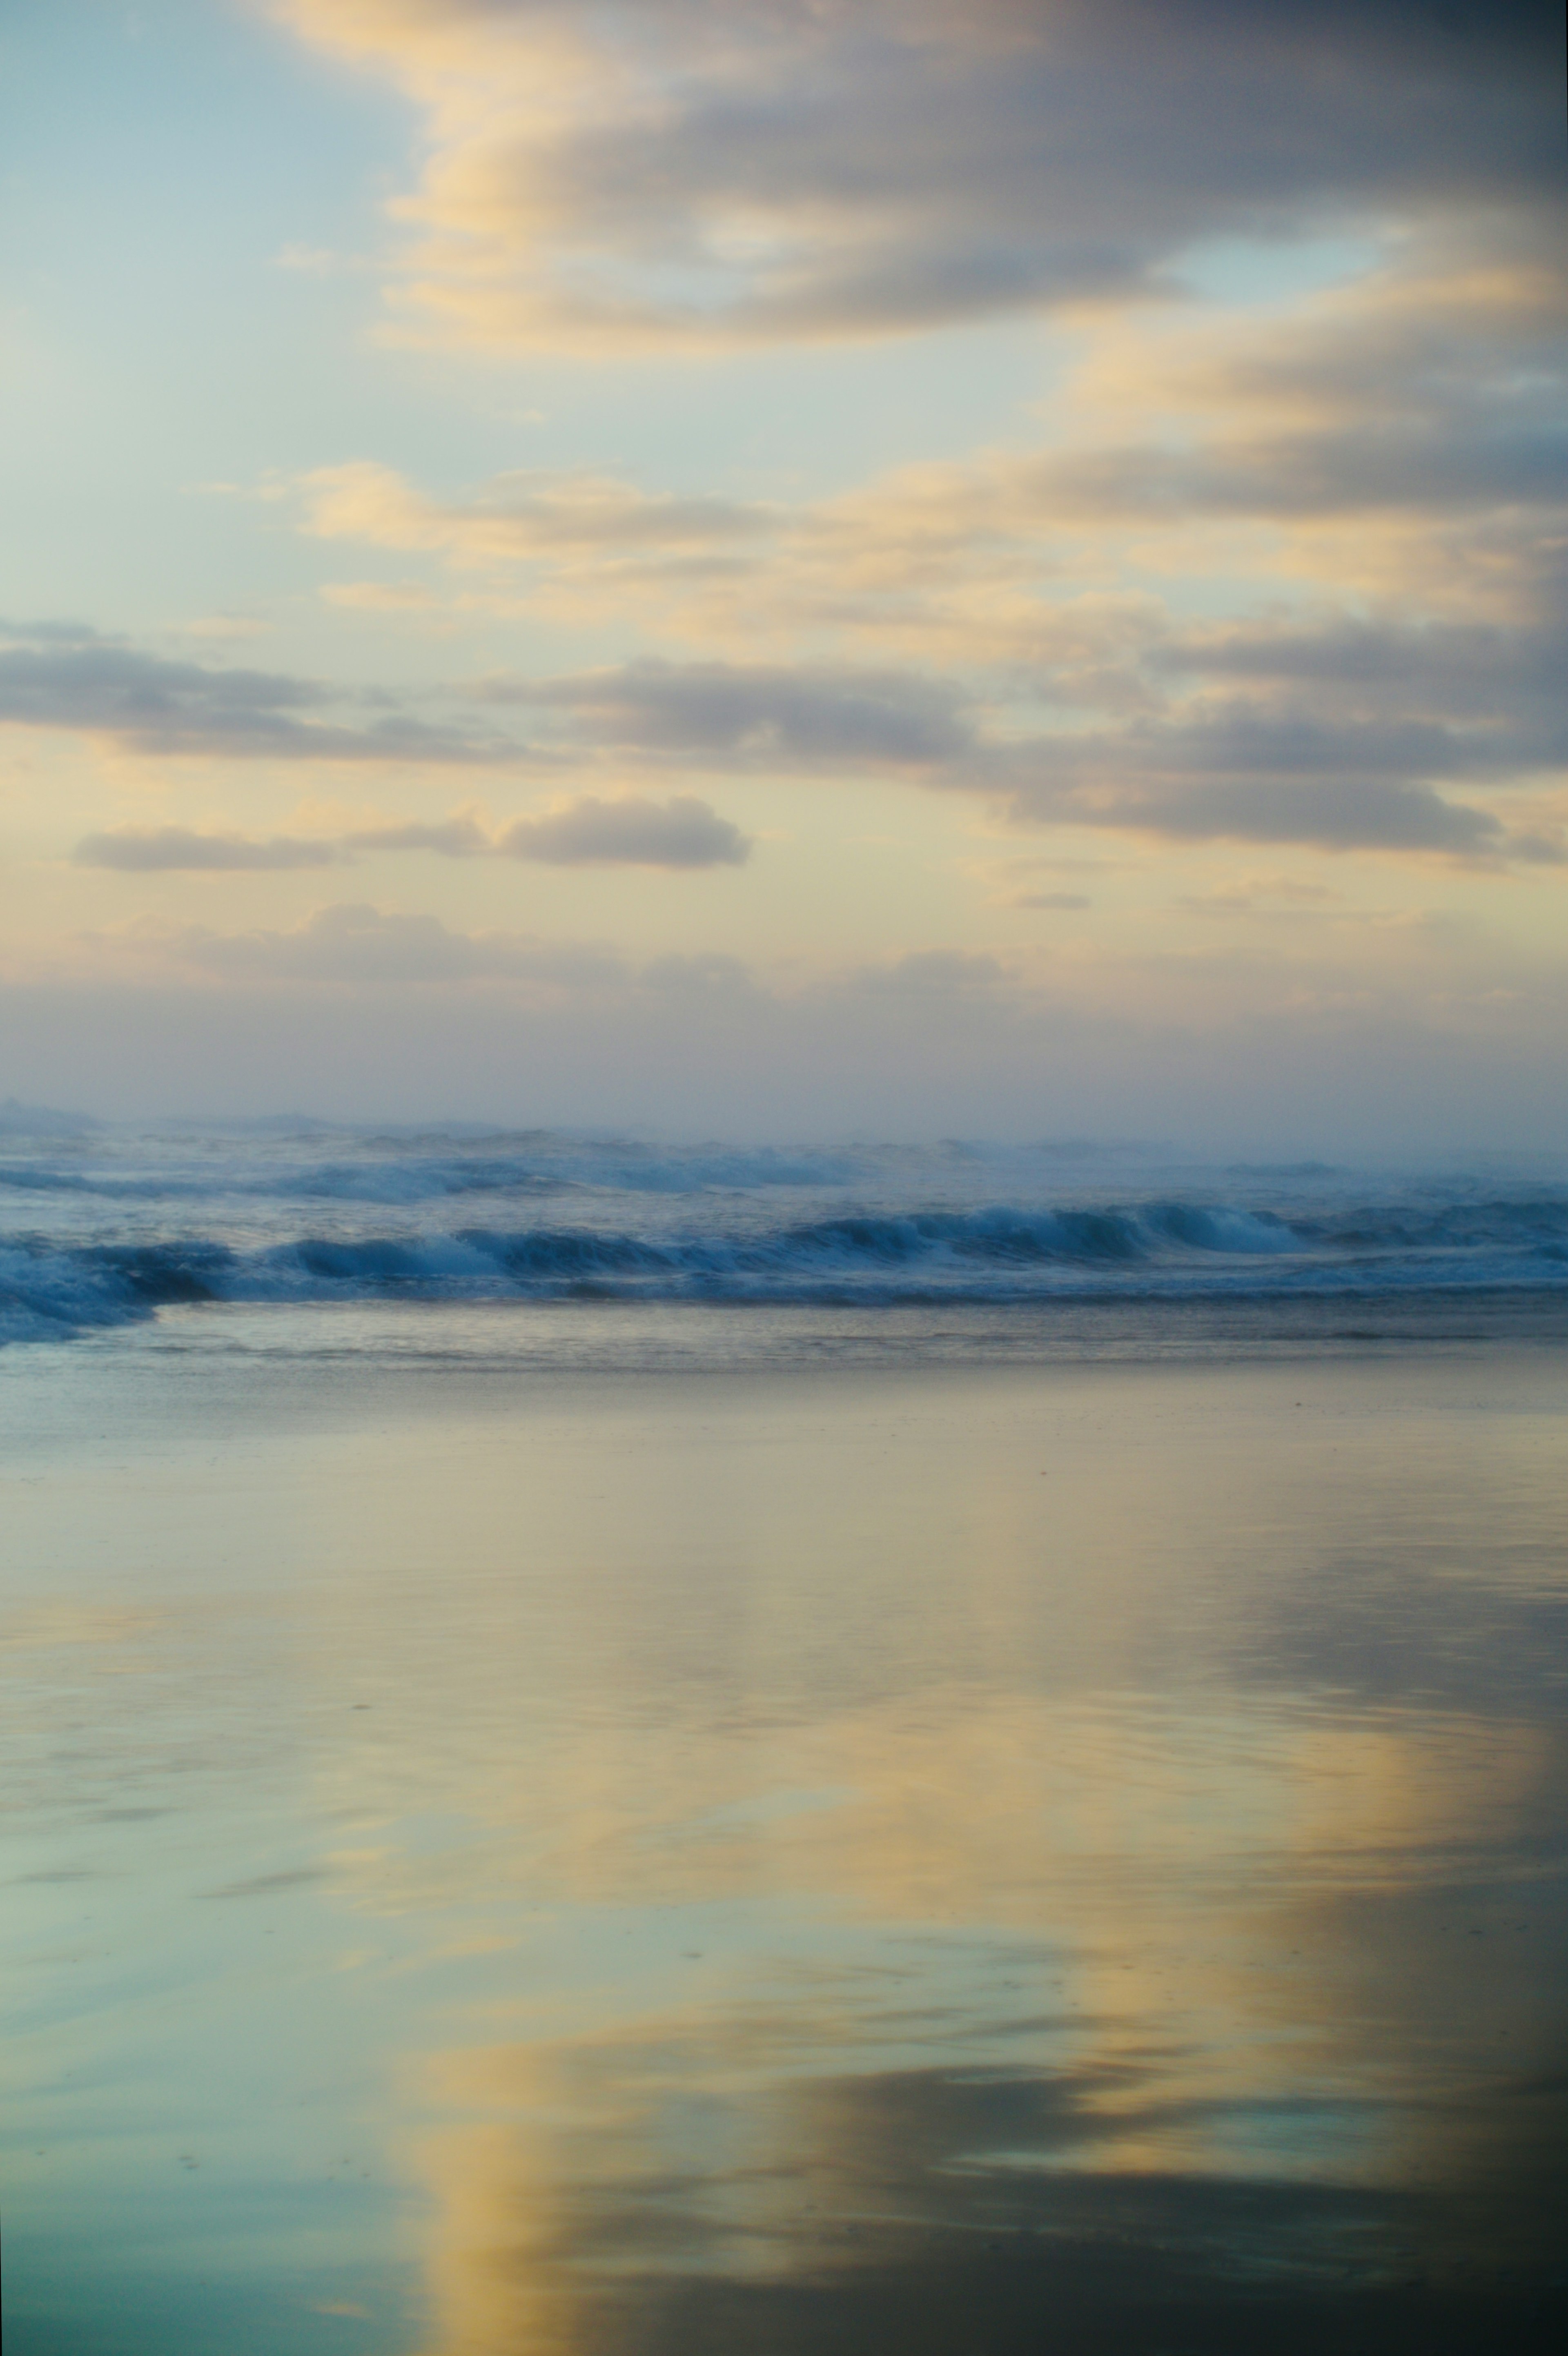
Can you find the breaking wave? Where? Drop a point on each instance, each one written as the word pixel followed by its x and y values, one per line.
pixel 51 1288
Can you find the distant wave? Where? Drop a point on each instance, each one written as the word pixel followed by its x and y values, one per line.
pixel 50 1289
pixel 401 1177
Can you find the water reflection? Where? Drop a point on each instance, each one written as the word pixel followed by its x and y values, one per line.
pixel 931 2209
pixel 1064 1859
pixel 1273 2084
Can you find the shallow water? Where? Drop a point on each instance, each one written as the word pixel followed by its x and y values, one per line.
pixel 696 1832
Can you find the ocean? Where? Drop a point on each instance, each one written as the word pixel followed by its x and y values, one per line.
pixel 102 1227
pixel 612 1748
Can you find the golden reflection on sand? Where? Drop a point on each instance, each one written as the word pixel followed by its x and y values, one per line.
pixel 1170 1941
pixel 990 1907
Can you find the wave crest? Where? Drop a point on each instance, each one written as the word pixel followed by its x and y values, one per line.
pixel 49 1289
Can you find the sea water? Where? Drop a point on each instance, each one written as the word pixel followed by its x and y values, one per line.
pixel 103 1226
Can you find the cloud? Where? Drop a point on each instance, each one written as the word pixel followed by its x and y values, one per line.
pixel 519 516
pixel 145 849
pixel 1265 769
pixel 561 544
pixel 1539 850
pixel 1401 432
pixel 628 832
pixel 1391 1036
pixel 1334 731
pixel 460 837
pixel 1247 778
pixel 1466 671
pixel 1374 484
pixel 1383 467
pixel 666 176
pixel 1370 466
pixel 1402 435
pixel 152 705
pixel 770 718
pixel 357 943
pixel 54 634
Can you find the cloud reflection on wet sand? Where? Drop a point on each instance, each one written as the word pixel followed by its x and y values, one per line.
pixel 1219 2016
pixel 1057 1859
pixel 675 2192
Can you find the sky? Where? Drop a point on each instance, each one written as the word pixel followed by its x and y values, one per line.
pixel 789 567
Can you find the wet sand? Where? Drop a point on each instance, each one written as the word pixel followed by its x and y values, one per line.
pixel 952 1860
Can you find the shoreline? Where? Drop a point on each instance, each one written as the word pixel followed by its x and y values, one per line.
pixel 650 1336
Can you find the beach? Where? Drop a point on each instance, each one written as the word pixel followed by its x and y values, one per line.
pixel 630 1828
pixel 784 1179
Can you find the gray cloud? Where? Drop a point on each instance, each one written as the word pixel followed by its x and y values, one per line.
pixel 1460 669
pixel 1357 769
pixel 1538 850
pixel 628 832
pixel 863 166
pixel 760 717
pixel 1239 739
pixel 154 706
pixel 1439 700
pixel 54 634
pixel 1424 465
pixel 1340 814
pixel 143 851
pixel 1257 778
pixel 1394 711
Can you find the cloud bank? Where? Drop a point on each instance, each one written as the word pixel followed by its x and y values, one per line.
pixel 1373 484
pixel 356 944
pixel 358 1012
